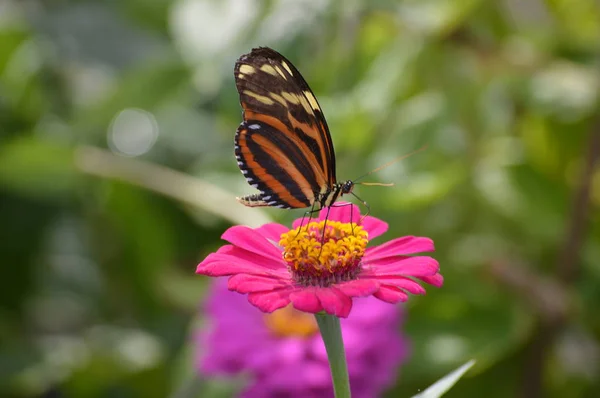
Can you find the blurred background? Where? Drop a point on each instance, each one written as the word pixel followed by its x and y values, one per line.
pixel 117 177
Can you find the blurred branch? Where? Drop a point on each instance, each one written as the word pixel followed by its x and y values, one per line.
pixel 547 297
pixel 567 267
pixel 550 297
pixel 567 270
pixel 168 182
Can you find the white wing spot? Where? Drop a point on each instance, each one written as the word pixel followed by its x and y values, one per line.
pixel 278 98
pixel 247 69
pixel 312 100
pixel 291 98
pixel 258 97
pixel 254 126
pixel 278 69
pixel 268 69
pixel 285 65
pixel 244 172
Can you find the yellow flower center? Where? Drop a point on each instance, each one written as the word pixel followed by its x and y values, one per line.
pixel 324 252
pixel 288 322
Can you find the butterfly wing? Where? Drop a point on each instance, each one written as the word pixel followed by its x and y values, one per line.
pixel 273 163
pixel 283 147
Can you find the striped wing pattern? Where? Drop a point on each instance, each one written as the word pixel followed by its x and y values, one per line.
pixel 283 146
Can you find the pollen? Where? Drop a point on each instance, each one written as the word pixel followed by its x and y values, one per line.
pixel 324 252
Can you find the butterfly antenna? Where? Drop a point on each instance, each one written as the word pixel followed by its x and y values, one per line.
pixel 379 184
pixel 383 166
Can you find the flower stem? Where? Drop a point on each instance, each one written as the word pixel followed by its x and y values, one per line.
pixel 331 332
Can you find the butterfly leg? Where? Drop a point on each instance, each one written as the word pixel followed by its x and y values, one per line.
pixel 352 218
pixel 364 204
pixel 351 211
pixel 308 213
pixel 323 233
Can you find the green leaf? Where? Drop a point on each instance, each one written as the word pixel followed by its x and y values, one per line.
pixel 444 384
pixel 37 168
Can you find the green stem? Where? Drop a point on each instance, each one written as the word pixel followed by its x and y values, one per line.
pixel 331 332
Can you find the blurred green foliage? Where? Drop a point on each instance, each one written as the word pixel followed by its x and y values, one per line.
pixel 117 177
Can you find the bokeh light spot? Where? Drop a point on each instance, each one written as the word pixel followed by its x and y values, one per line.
pixel 132 132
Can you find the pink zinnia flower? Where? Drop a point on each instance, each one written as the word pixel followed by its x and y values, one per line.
pixel 282 354
pixel 322 266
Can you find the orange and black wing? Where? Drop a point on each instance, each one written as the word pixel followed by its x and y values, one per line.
pixel 283 146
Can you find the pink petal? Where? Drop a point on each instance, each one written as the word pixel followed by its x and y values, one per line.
pixel 374 226
pixel 334 301
pixel 403 283
pixel 399 246
pixel 359 287
pixel 244 283
pixel 306 300
pixel 436 280
pixel 272 231
pixel 406 266
pixel 342 211
pixel 390 294
pixel 222 265
pixel 303 221
pixel 261 261
pixel 225 249
pixel 252 241
pixel 271 300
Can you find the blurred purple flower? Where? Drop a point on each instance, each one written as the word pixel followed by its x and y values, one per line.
pixel 283 354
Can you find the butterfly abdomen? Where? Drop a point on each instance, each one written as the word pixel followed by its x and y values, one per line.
pixel 257 200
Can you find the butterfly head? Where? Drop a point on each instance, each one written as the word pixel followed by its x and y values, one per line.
pixel 347 187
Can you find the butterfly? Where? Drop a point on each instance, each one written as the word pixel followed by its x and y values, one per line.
pixel 283 146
